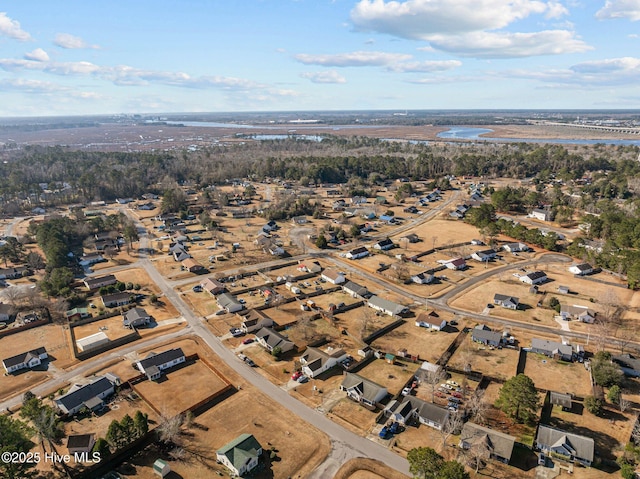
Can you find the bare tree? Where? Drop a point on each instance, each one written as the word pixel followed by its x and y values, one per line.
pixel 452 426
pixel 13 294
pixel 432 378
pixel 366 320
pixel 477 451
pixel 170 428
pixel 477 406
pixel 623 403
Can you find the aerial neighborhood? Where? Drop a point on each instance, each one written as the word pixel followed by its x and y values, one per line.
pixel 256 324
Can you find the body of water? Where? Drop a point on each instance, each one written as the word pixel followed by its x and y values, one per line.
pixel 468 133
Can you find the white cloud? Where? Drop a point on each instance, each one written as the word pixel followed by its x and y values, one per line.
pixel 11 28
pixel 71 42
pixel 620 9
pixel 353 59
pixel 329 76
pixel 510 45
pixel 457 27
pixel 425 67
pixel 37 55
pixel 29 86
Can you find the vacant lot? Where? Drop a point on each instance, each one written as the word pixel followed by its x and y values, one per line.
pixel 425 343
pixel 353 416
pixel 500 363
pixel 112 327
pixel 558 376
pixel 391 376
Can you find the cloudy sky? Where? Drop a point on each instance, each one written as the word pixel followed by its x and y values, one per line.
pixel 142 56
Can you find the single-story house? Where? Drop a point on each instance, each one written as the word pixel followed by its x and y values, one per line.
pixel 91 258
pixel 515 247
pixel 116 299
pixel 484 255
pixel 563 289
pixel 485 336
pixel 629 364
pixel 430 321
pixel 192 265
pixel 423 278
pixel 386 306
pixel 560 399
pixel 540 214
pixel 387 219
pixel 316 361
pixel 581 313
pixel 27 360
pixel 213 286
pixel 581 269
pixel 456 264
pixel 411 238
pixel 363 390
pixel 181 255
pixel 509 302
pixel 355 290
pixel 535 277
pixel 299 220
pixel 357 253
pixel 229 303
pixel 80 443
pixel 572 447
pixel 384 245
pixel 254 321
pixel 77 313
pixel 240 455
pixel 497 444
pixel 155 363
pixel 146 206
pixel 135 318
pixel 412 408
pixel 333 276
pixel 99 282
pixel 89 395
pixel 13 273
pixel 270 339
pixel 553 349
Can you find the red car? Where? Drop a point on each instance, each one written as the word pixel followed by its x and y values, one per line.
pixel 247 341
pixel 456 395
pixel 296 375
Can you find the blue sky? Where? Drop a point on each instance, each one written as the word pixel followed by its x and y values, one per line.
pixel 77 57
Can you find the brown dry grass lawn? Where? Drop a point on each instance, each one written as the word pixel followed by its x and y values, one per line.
pixel 558 376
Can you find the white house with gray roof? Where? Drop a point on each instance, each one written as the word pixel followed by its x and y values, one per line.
pixel 572 447
pixel 27 360
pixel 155 363
pixel 387 307
pixel 316 361
pixel 553 349
pixel 363 390
pixel 89 395
pixel 412 408
pixel 498 444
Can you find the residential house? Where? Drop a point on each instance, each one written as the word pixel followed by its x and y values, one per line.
pixel 581 313
pixel 387 307
pixel 484 255
pixel 116 299
pixel 560 399
pixel 430 320
pixel 515 247
pixel 535 277
pixel 581 269
pixel 388 219
pixel 275 249
pixel 80 443
pixel 384 245
pixel 411 408
pixel 270 339
pixel 270 226
pixel 180 255
pixel 299 220
pixel 106 244
pixel 553 349
pixel 572 447
pixel 99 282
pixel 411 238
pixel 498 445
pixel 355 290
pixel 192 265
pixel 423 278
pixel 77 313
pixel 255 320
pixel 241 455
pixel 456 264
pixel 563 289
pixel 213 286
pixel 358 200
pixel 27 360
pixel 315 361
pixel 229 303
pixel 13 273
pixel 146 206
pixel 357 253
pixel 136 318
pixel 411 209
pixel 91 258
pixel 92 341
pixel 89 395
pixel 481 334
pixel 540 214
pixel 509 302
pixel 629 364
pixel 363 390
pixel 333 276
pixel 155 363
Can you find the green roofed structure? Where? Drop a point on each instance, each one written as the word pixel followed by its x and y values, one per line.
pixel 240 455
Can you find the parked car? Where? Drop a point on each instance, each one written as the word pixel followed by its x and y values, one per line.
pixel 249 361
pixel 197 288
pixel 385 433
pixel 235 332
pixel 394 428
pixel 303 379
pixel 248 341
pixel 221 312
pixel 456 394
pixel 406 391
pixel 295 376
